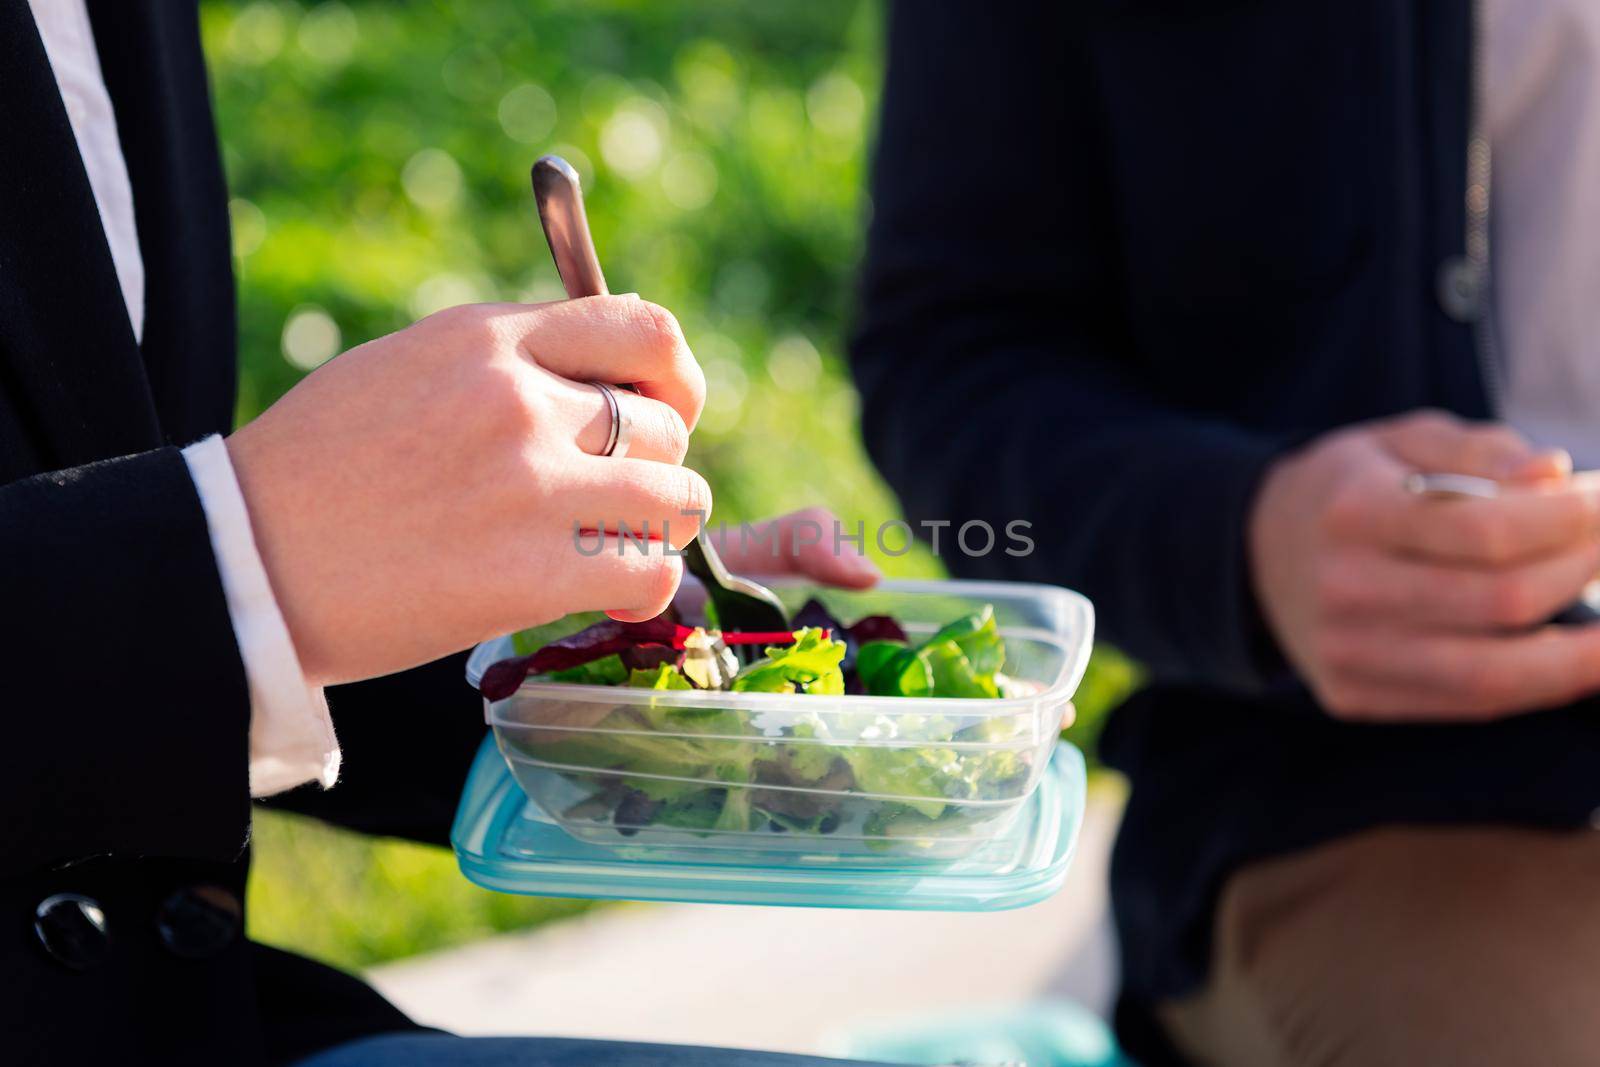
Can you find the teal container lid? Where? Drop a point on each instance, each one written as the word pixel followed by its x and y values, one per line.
pixel 504 842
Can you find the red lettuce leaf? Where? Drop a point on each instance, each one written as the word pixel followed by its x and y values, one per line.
pixel 876 628
pixel 870 628
pixel 596 642
pixel 814 614
pixel 649 657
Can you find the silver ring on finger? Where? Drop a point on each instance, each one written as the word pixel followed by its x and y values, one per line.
pixel 1451 486
pixel 621 432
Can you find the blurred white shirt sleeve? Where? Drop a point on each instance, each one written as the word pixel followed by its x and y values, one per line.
pixel 291 733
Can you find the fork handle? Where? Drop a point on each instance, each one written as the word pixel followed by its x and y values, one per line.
pixel 559 196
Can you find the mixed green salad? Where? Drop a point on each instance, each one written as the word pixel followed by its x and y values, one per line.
pixel 671 765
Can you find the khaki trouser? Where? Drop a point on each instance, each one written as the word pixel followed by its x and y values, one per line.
pixel 1410 947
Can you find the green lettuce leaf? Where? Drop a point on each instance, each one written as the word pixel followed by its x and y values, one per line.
pixel 529 641
pixel 607 671
pixel 906 674
pixel 694 808
pixel 661 676
pixel 873 657
pixel 978 639
pixel 664 789
pixel 809 762
pixel 954 675
pixel 960 660
pixel 908 772
pixel 810 665
pixel 736 814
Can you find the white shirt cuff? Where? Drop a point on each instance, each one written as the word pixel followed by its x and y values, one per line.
pixel 291 733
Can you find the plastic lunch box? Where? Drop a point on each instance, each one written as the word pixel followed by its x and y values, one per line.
pixel 709 748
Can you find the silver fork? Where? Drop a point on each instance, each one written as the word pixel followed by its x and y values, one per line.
pixel 1445 486
pixel 740 603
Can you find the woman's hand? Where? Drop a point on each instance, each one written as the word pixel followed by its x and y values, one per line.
pixel 424 491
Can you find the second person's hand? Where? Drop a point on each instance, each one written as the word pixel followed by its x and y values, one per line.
pixel 802 544
pixel 1396 607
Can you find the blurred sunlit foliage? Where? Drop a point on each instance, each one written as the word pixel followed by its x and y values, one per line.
pixel 378 155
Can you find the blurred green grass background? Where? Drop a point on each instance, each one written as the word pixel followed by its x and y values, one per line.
pixel 378 154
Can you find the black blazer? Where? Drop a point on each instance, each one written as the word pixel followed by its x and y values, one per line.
pixel 1123 254
pixel 124 709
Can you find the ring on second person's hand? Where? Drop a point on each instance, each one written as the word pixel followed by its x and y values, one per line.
pixel 621 427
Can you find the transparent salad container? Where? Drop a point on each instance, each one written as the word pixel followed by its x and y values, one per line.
pixel 875 778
